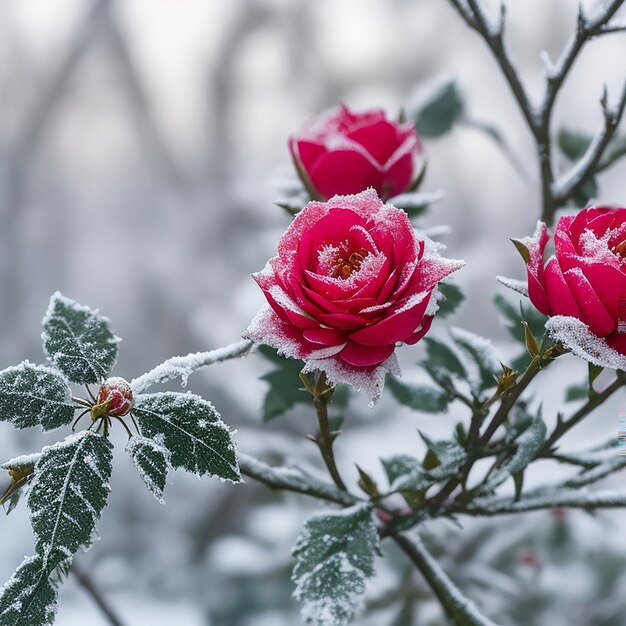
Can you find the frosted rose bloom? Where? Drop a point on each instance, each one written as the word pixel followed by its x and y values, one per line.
pixel 582 283
pixel 351 280
pixel 341 152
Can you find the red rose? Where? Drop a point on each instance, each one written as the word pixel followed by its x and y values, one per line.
pixel 340 152
pixel 581 284
pixel 351 279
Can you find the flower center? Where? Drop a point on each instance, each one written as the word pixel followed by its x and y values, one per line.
pixel 344 267
pixel 620 249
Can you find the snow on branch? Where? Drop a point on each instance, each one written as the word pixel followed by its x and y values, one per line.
pixel 564 187
pixel 293 479
pixel 184 366
pixel 459 608
pixel 574 499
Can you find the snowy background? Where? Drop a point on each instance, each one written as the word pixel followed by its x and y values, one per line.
pixel 138 144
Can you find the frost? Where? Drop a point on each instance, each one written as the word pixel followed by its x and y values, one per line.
pixel 152 461
pixel 334 557
pixel 33 395
pixel 78 341
pixel 175 419
pixel 482 352
pixel 576 336
pixel 28 598
pixel 520 286
pixel 24 461
pixel 184 366
pixel 67 495
pixel 416 200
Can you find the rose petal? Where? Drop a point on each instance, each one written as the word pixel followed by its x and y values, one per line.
pixel 363 356
pixel 560 297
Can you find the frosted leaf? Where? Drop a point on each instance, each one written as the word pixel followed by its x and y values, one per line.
pixel 35 395
pixel 78 341
pixel 482 352
pixel 529 444
pixel 576 336
pixel 152 462
pixel 418 396
pixel 28 598
pixel 334 557
pixel 521 286
pixel 191 429
pixel 67 495
pixel 405 472
pixel 449 456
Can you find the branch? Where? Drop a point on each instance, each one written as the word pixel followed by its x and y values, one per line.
pixel 294 479
pixel 91 588
pixel 572 499
pixel 562 427
pixel 183 366
pixel 459 608
pixel 568 184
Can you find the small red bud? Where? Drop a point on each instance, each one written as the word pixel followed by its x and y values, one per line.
pixel 528 557
pixel 559 513
pixel 117 395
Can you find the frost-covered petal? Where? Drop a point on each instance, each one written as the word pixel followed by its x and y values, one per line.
pixel 577 336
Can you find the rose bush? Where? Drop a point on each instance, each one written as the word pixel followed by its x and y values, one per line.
pixel 351 279
pixel 341 152
pixel 584 280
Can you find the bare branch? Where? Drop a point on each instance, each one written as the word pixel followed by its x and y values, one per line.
pixel 91 588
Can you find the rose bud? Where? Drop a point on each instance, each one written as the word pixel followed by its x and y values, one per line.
pixel 583 285
pixel 116 394
pixel 340 152
pixel 351 280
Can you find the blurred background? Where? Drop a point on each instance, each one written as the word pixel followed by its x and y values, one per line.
pixel 139 144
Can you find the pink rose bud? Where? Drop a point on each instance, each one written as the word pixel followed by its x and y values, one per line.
pixel 351 280
pixel 117 395
pixel 340 152
pixel 586 277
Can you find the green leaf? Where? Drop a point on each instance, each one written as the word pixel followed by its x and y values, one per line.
pixel 191 429
pixel 32 395
pixel 152 462
pixel 418 396
pixel 78 341
pixel 453 297
pixel 441 356
pixel 67 495
pixel 594 372
pixel 334 557
pixel 439 110
pixel 522 249
pixel 405 472
pixel 577 391
pixel 29 597
pixel 449 457
pixel 482 352
pixel 511 316
pixel 285 385
pixel 529 444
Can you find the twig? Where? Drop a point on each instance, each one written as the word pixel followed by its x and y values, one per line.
pixel 568 184
pixel 294 479
pixel 183 366
pixel 563 426
pixel 572 499
pixel 90 587
pixel 459 608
